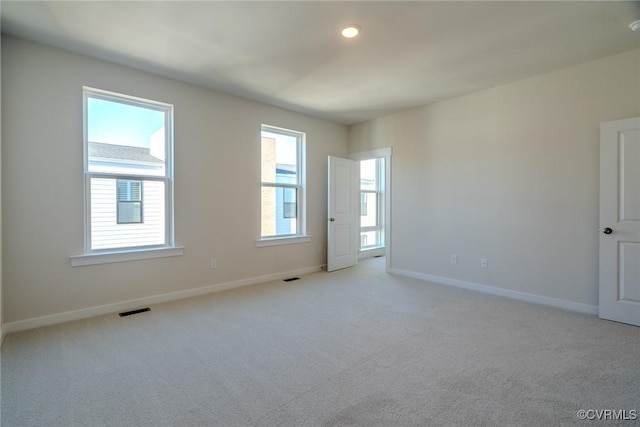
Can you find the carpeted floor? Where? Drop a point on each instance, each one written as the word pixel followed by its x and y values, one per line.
pixel 355 347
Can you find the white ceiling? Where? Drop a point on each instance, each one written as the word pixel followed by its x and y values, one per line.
pixel 290 54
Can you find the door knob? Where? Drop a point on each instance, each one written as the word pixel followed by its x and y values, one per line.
pixel 607 230
pixel 332 219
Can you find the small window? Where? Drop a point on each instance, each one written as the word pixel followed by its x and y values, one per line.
pixel 129 194
pixel 289 208
pixel 282 171
pixel 363 204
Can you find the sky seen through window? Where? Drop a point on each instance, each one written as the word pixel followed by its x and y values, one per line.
pixel 122 124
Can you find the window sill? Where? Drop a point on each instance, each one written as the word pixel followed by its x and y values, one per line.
pixel 372 252
pixel 275 241
pixel 122 256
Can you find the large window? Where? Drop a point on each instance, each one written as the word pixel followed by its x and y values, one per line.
pixel 282 171
pixel 371 203
pixel 128 172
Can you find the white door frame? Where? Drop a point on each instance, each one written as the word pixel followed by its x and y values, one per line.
pixel 386 154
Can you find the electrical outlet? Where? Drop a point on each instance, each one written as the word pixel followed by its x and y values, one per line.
pixel 484 262
pixel 213 263
pixel 454 259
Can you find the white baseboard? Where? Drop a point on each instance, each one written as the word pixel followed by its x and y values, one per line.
pixel 84 313
pixel 508 293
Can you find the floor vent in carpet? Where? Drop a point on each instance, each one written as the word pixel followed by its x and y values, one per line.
pixel 129 313
pixel 291 279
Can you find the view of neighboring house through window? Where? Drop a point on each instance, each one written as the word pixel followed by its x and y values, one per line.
pixel 371 203
pixel 129 195
pixel 289 205
pixel 128 172
pixel 282 171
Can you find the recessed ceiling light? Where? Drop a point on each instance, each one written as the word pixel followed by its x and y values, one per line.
pixel 350 31
pixel 635 26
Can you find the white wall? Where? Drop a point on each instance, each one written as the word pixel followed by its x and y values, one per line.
pixel 511 174
pixel 217 185
pixel 1 257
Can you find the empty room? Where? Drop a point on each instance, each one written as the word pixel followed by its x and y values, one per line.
pixel 320 213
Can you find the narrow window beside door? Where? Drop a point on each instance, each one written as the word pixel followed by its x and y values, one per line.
pixel 371 204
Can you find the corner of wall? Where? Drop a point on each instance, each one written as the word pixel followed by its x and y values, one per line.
pixel 1 321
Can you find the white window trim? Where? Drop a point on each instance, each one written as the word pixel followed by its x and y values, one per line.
pixel 104 256
pixel 301 186
pixel 387 153
pixel 281 240
pixel 128 255
pixel 379 192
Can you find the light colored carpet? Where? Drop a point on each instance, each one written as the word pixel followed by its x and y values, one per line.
pixel 355 347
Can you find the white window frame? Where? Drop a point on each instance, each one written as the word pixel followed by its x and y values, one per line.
pixel 385 153
pixel 379 227
pixel 299 186
pixel 168 248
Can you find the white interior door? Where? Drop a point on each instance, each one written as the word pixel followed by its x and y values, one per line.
pixel 620 221
pixel 343 214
